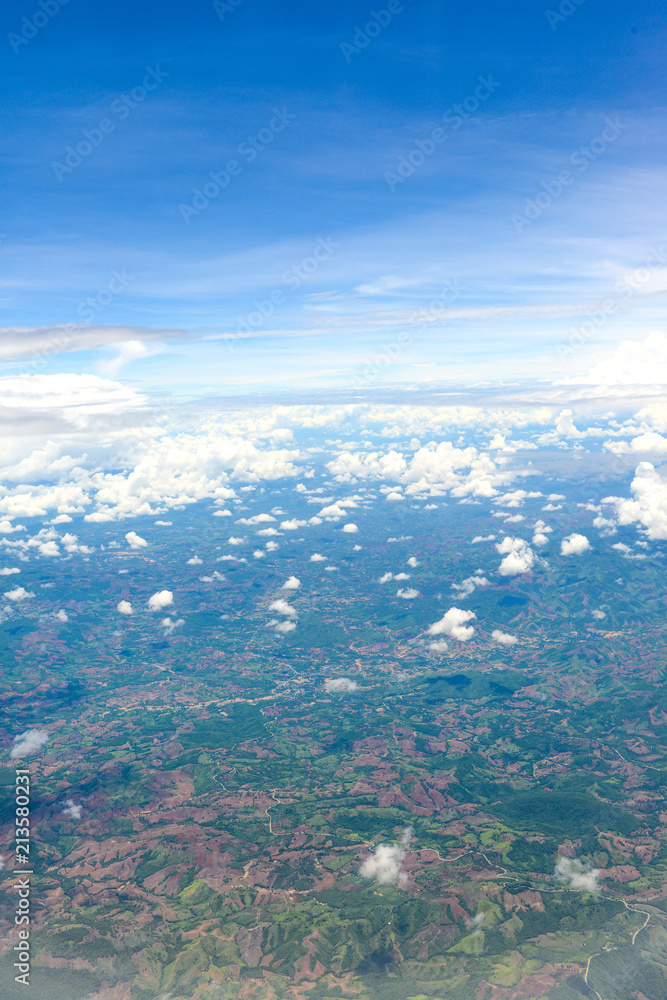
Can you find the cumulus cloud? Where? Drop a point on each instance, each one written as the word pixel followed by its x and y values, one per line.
pixel 290 525
pixel 285 626
pixel 293 583
pixel 343 684
pixel 469 585
pixel 384 865
pixel 350 529
pixel 439 646
pixel 482 538
pixel 169 625
pixel 9 570
pixel 72 810
pixel 135 541
pixel 194 561
pixel 519 557
pixel 648 508
pixel 159 600
pixel 598 615
pixel 407 593
pixel 256 519
pixel 574 545
pixel 28 742
pixel 504 638
pixel 577 874
pixel 125 608
pixel 61 615
pixel 453 624
pixel 412 561
pixel 632 362
pixel 316 557
pixel 282 607
pixel 19 594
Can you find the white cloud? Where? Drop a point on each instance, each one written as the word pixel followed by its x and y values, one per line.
pixel 453 624
pixel 9 570
pixel 632 362
pixel 343 684
pixel 28 742
pixel 125 608
pixel 290 525
pixel 135 541
pixel 468 586
pixel 19 594
pixel 222 513
pixel 574 545
pixel 384 865
pixel 165 524
pixel 159 600
pixel 293 583
pixel 72 810
pixel 285 626
pixel 235 540
pixel 61 615
pixel 282 607
pixel 256 519
pixel 316 557
pixel 386 577
pixel 169 625
pixel 408 594
pixel 649 506
pixel 504 638
pixel 577 874
pixel 599 615
pixel 412 561
pixel 350 528
pixel 195 561
pixel 259 553
pixel 439 646
pixel 519 557
pixel 482 538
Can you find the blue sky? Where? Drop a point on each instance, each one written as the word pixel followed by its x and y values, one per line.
pixel 330 125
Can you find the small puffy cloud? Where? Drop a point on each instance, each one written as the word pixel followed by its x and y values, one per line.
pixel 343 684
pixel 453 624
pixel 256 519
pixel 407 593
pixel 386 577
pixel 265 532
pixel 62 616
pixel 394 496
pixel 72 810
pixel 125 608
pixel 195 561
pixel 439 646
pixel 577 874
pixel 401 576
pixel 539 539
pixel 271 546
pixel 384 865
pixel 469 585
pixel 222 513
pixel 135 541
pixel 519 557
pixel 164 524
pixel 504 638
pixel 316 557
pixel 60 519
pixel 9 570
pixel 599 615
pixel 412 561
pixel 282 607
pixel 28 742
pixel 259 553
pixel 290 525
pixel 236 541
pixel 169 625
pixel 574 545
pixel 49 549
pixel 293 583
pixel 19 594
pixel 285 626
pixel 162 599
pixel 350 528
pixel 214 576
pixel 482 538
